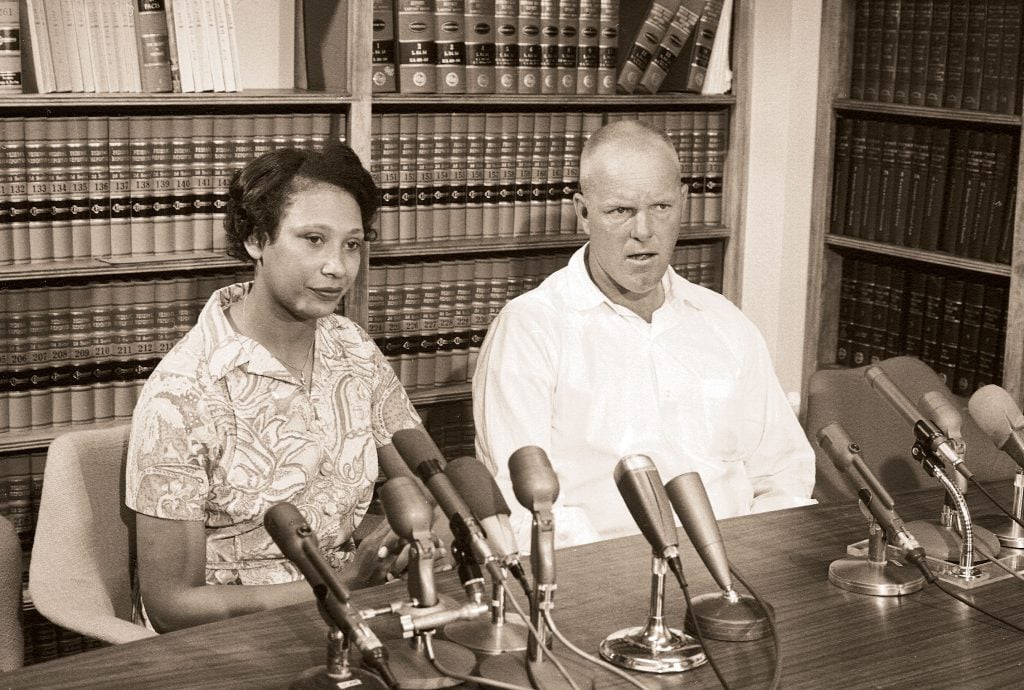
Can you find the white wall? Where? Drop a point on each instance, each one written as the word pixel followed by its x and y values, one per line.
pixel 780 167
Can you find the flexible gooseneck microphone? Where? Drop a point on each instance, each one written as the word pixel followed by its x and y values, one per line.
pixel 299 544
pixel 997 414
pixel 424 458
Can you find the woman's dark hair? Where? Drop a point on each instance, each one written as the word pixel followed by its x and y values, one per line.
pixel 261 191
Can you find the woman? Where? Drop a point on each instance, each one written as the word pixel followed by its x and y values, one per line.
pixel 271 397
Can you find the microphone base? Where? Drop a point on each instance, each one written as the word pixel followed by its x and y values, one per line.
pixel 634 648
pixel 945 543
pixel 511 668
pixel 863 576
pixel 414 671
pixel 488 637
pixel 1008 532
pixel 316 678
pixel 722 618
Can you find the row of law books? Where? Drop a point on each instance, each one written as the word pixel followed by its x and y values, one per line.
pixel 926 186
pixel 450 425
pixel 939 53
pixel 495 46
pixel 954 324
pixel 454 176
pixel 128 46
pixel 131 186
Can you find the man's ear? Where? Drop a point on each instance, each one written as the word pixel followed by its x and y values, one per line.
pixel 580 204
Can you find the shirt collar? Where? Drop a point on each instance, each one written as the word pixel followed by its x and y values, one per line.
pixel 584 293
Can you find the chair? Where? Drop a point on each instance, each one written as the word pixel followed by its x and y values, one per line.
pixel 82 567
pixel 846 396
pixel 12 639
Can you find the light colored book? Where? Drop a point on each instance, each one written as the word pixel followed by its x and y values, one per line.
pixel 97 46
pixel 225 26
pixel 177 23
pixel 80 21
pixel 67 18
pixel 719 76
pixel 54 21
pixel 211 40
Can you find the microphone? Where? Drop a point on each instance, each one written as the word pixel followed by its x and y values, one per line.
pixel 299 544
pixel 941 410
pixel 476 483
pixel 423 457
pixel 727 615
pixel 536 488
pixel 924 429
pixel 845 454
pixel 641 488
pixel 410 515
pixel 997 414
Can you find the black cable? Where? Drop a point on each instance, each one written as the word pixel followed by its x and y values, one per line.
pixel 479 680
pixel 590 657
pixel 700 636
pixel 543 649
pixel 977 608
pixel 996 503
pixel 776 644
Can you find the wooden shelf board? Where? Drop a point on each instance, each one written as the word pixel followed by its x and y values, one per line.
pixel 922 112
pixel 937 258
pixel 383 102
pixel 96 267
pixel 256 98
pixel 33 439
pixel 430 396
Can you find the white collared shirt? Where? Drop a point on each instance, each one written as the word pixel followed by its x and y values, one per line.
pixel 589 381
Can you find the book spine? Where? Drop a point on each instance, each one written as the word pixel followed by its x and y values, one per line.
pixel 840 175
pixel 226 43
pixel 124 13
pixel 698 158
pixel 887 183
pixel 873 49
pixel 479 23
pixel 528 47
pixel 587 50
pixel 57 171
pixel 153 45
pixel 858 50
pixel 970 331
pixel 425 211
pixel 41 52
pixel 222 167
pixel 671 45
pixel 417 46
pixel 40 209
pixel 407 178
pixel 607 47
pixel 211 40
pixel 450 29
pixel 979 222
pixel 162 186
pixel 995 28
pixel 974 56
pixel 568 40
pixel 1008 101
pixel 539 174
pixel 904 52
pixel 97 47
pixel 78 187
pixel 441 158
pixel 902 170
pixel 523 174
pixel 895 319
pixel 383 47
pixel 549 46
pixel 955 191
pixel 507 188
pixel 492 196
pixel 59 54
pixel 715 152
pixel 554 176
pixel 702 41
pixel 892 10
pixel 645 43
pixel 140 133
pixel 390 178
pixel 855 199
pixel 10 47
pixel 917 225
pixel 872 180
pixel 570 172
pixel 182 193
pixel 474 163
pixel 457 151
pixel 203 183
pixel 506 46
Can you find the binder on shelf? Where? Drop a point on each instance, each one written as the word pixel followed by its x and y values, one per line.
pixel 153 45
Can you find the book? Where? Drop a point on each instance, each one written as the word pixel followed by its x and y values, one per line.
pixel 475 174
pixel 524 125
pixel 904 52
pixel 974 55
pixel 140 175
pixel 931 322
pixel 479 23
pixel 10 47
pixel 224 21
pixel 424 157
pixel 568 40
pixel 555 173
pixel 457 150
pixel 441 161
pixel 79 82
pixel 153 45
pixel 528 47
pixel 671 44
pixel 957 177
pixel 938 50
pixel 383 47
pixel 587 56
pixel 538 185
pixel 919 176
pixel 919 53
pixel 991 58
pixel 506 46
pixel 873 49
pixel 492 184
pixel 697 53
pixel 607 46
pixel 892 9
pixel 389 177
pixel 645 43
pixel 855 196
pixel 858 51
pixel 181 183
pixel 956 54
pixel 450 31
pixel 131 66
pixel 698 161
pixel 840 175
pixel 950 330
pixel 206 17
pixel 887 183
pixel 37 65
pixel 902 172
pixel 177 24
pixel 716 146
pixel 162 185
pixel 549 46
pixel 507 187
pixel 407 217
pixel 59 53
pixel 1008 101
pixel 980 218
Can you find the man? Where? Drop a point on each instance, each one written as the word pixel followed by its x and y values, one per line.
pixel 616 354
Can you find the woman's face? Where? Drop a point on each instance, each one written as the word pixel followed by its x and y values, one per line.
pixel 316 256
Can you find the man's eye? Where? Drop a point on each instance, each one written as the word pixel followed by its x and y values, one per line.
pixel 620 211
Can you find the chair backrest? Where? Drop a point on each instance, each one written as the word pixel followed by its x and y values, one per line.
pixel 846 396
pixel 81 572
pixel 12 640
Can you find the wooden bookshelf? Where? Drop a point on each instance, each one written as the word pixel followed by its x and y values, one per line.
pixel 830 251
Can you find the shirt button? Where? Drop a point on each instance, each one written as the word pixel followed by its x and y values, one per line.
pixel 330 508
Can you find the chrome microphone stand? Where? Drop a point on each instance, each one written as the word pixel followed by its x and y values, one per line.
pixel 874 574
pixel 654 647
pixel 337 673
pixel 504 632
pixel 1009 532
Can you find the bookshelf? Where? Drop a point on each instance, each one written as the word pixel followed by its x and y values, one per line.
pixel 865 296
pixel 709 246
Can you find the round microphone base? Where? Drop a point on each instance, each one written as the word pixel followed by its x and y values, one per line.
pixel 637 650
pixel 414 671
pixel 860 575
pixel 511 668
pixel 488 637
pixel 731 619
pixel 1008 532
pixel 945 543
pixel 316 677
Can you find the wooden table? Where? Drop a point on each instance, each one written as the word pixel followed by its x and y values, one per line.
pixel 830 638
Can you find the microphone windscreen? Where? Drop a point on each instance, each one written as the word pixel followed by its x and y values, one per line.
pixel 406 508
pixel 533 479
pixel 995 412
pixel 641 487
pixel 941 410
pixel 287 528
pixel 690 500
pixel 476 485
pixel 836 443
pixel 415 446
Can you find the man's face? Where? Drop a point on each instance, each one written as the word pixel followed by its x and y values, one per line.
pixel 631 208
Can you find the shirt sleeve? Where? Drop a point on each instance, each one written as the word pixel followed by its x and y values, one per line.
pixel 169 450
pixel 392 409
pixel 781 466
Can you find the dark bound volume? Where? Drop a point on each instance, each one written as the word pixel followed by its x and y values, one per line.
pixel 974 55
pixel 971 189
pixel 919 53
pixel 479 23
pixel 991 339
pixel 916 290
pixel 994 220
pixel 417 46
pixel 697 52
pixel 949 334
pixel 645 42
pixel 935 187
pixel 931 325
pixel 383 46
pixel 970 335
pixel 887 183
pixel 880 301
pixel 890 45
pixel 902 173
pixel 992 45
pixel 859 59
pixel 153 45
pixel 860 331
pixel 904 53
pixel 956 53
pixel 872 180
pixel 976 218
pixel 873 51
pixel 918 184
pixel 894 327
pixel 855 199
pixel 1009 57
pixel 450 30
pixel 846 302
pixel 841 175
pixel 935 77
pixel 955 191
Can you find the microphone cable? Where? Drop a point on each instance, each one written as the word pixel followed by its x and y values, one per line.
pixel 428 646
pixel 697 632
pixel 997 504
pixel 776 645
pixel 982 551
pixel 543 648
pixel 969 603
pixel 590 657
